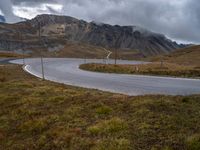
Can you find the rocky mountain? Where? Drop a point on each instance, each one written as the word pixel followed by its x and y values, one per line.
pixel 98 34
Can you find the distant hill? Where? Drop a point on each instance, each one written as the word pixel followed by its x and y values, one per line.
pixel 59 29
pixel 185 56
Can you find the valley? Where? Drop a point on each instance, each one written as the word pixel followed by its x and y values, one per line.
pixel 180 63
pixel 86 101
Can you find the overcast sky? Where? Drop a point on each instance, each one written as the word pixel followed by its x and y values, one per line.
pixel 177 19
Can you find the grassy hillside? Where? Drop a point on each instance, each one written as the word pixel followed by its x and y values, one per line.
pixel 126 54
pixel 186 56
pixel 79 50
pixel 9 55
pixel 181 63
pixel 83 50
pixel 37 115
pixel 74 50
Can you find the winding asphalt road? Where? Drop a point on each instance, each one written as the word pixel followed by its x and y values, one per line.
pixel 65 70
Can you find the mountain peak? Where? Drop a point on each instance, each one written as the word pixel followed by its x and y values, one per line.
pixel 99 34
pixel 47 19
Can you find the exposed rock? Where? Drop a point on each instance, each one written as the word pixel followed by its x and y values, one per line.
pixel 99 34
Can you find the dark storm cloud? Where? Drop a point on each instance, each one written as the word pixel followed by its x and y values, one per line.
pixel 178 19
pixel 36 2
pixel 6 8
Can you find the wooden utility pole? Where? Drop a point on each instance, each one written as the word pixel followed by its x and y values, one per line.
pixel 22 47
pixel 115 56
pixel 161 63
pixel 41 57
pixel 85 59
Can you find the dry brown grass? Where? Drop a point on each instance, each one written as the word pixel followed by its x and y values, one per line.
pixel 180 63
pixel 81 50
pixel 10 55
pixel 187 56
pixel 37 115
pixel 127 54
pixel 165 69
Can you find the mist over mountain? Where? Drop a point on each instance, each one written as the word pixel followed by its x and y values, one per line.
pixel 99 34
pixel 120 37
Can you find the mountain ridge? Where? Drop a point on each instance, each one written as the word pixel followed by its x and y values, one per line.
pixel 110 36
pixel 103 35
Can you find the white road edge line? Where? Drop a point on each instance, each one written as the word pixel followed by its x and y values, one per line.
pixel 25 68
pixel 31 71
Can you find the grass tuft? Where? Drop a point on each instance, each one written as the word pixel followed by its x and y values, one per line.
pixel 103 110
pixel 108 127
pixel 193 142
pixel 113 144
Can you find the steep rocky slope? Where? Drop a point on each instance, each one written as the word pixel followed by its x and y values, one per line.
pixel 64 28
